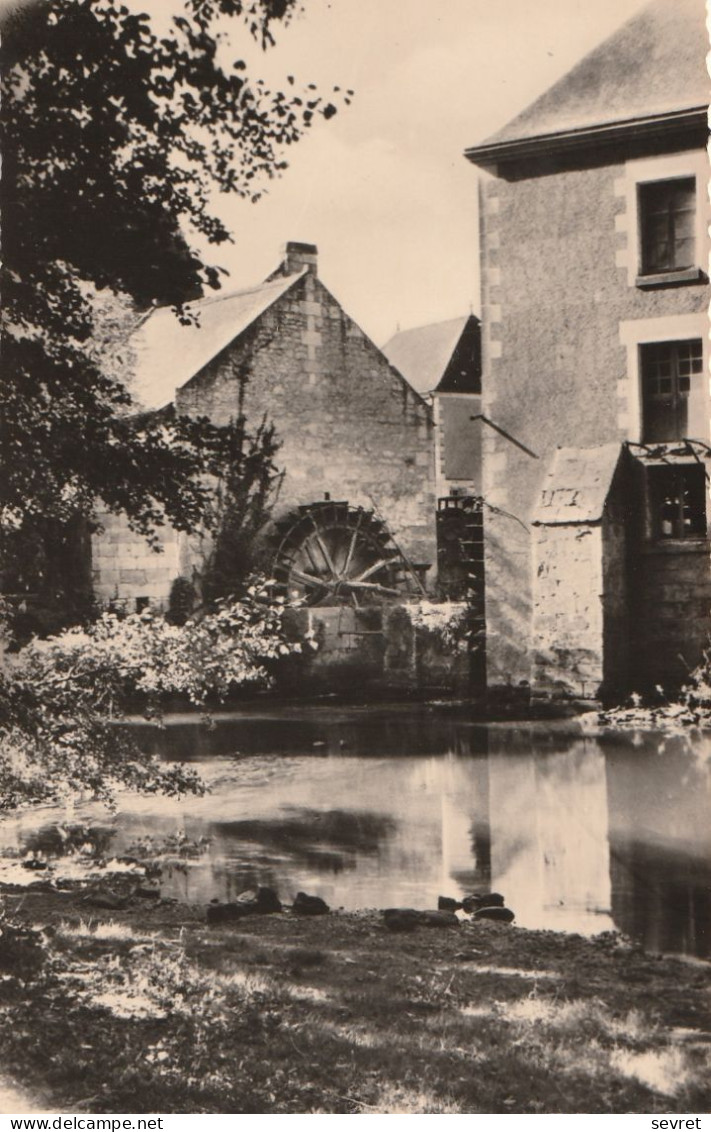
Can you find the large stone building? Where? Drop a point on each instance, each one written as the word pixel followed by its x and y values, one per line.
pixel 355 513
pixel 594 251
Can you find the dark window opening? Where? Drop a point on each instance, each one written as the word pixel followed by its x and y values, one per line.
pixel 678 501
pixel 669 371
pixel 668 225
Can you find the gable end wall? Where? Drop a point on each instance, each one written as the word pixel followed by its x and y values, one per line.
pixel 348 423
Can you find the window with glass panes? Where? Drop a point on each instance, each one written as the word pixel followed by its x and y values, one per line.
pixel 667 225
pixel 671 372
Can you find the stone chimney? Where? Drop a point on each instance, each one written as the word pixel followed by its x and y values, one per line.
pixel 299 256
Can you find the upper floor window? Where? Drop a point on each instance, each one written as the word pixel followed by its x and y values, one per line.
pixel 667 213
pixel 671 388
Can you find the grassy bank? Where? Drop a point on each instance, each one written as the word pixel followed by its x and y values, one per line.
pixel 146 1009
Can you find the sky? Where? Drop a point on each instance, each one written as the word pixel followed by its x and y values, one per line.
pixel 383 188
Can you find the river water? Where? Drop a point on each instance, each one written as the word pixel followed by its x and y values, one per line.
pixel 381 806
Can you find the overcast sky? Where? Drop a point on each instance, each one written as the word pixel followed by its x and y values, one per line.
pixel 383 188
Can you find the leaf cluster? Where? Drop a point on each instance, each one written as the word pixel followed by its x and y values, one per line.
pixel 62 699
pixel 115 135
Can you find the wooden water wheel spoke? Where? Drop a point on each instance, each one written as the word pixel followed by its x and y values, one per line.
pixel 351 548
pixel 310 554
pixel 373 587
pixel 324 550
pixel 309 580
pixel 377 566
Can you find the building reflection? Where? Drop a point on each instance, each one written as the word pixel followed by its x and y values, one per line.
pixel 660 845
pixel 587 835
pixel 547 828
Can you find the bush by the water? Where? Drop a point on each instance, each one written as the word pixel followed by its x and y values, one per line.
pixel 688 708
pixel 60 698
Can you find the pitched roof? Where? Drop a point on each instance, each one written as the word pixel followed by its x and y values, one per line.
pixel 423 353
pixel 652 67
pixel 576 486
pixel 168 354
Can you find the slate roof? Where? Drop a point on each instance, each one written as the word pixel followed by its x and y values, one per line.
pixel 653 65
pixel 168 354
pixel 576 485
pixel 423 353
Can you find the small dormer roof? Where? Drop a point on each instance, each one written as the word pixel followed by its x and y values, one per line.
pixel 424 355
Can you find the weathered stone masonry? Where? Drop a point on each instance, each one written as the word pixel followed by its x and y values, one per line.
pixel 348 423
pixel 565 315
pixel 350 427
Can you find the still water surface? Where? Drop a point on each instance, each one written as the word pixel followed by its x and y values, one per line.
pixel 382 806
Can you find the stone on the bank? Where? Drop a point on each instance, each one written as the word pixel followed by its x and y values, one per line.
pixel 305 905
pixel 267 900
pixel 495 912
pixel 439 919
pixel 248 897
pixel 402 919
pixel 262 900
pixel 259 902
pixel 448 904
pixel 227 913
pixel 482 900
pixel 407 919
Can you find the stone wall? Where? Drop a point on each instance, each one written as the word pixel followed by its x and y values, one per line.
pixel 567 610
pixel 350 429
pixel 555 290
pixel 672 590
pixel 125 570
pixel 349 425
pixel 374 649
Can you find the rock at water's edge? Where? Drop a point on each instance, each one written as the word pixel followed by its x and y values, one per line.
pixel 503 915
pixel 482 900
pixel 448 904
pixel 305 905
pixel 407 919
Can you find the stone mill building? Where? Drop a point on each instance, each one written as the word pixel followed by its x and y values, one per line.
pixel 594 251
pixel 355 515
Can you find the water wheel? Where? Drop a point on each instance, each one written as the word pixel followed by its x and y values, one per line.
pixel 331 553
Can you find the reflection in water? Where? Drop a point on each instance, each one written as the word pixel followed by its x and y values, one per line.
pixel 549 836
pixel 383 807
pixel 660 847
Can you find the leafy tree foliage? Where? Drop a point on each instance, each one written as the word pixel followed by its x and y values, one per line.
pixel 114 135
pixel 61 698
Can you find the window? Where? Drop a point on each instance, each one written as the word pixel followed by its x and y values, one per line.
pixel 667 211
pixel 678 501
pixel 671 383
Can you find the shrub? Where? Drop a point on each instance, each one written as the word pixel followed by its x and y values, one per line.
pixel 60 698
pixel 181 602
pixel 688 709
